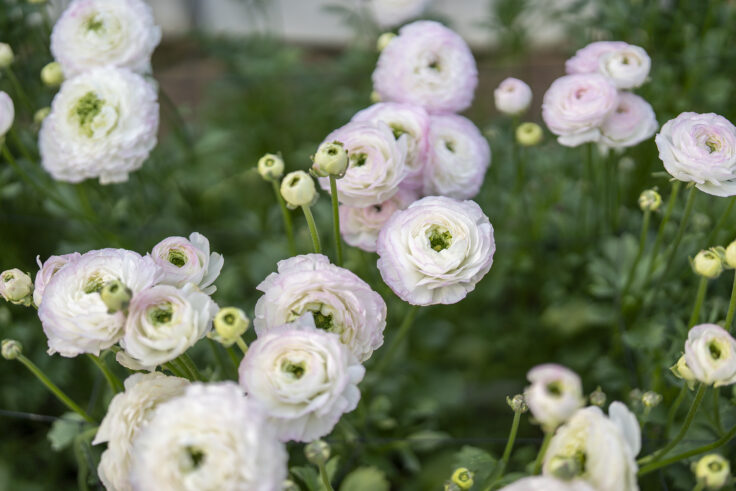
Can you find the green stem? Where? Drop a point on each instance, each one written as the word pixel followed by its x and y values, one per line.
pixel 54 388
pixel 336 219
pixel 702 289
pixel 542 451
pixel 675 406
pixel 660 232
pixel 398 338
pixel 188 363
pixel 287 218
pixel 639 253
pixel 717 410
pixel 713 235
pixel 516 161
pixel 175 369
pixel 218 358
pixel 325 478
pixel 501 467
pixel 680 232
pixel 18 89
pixel 699 486
pixel 241 344
pixel 312 229
pixel 233 357
pixel 731 306
pixel 112 380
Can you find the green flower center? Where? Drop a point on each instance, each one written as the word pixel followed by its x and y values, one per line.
pixel 358 159
pixel 322 321
pixel 450 145
pixel 715 349
pixel 554 389
pixel 8 277
pixel 94 284
pixel 177 258
pixel 93 116
pixel 439 238
pixel 715 466
pixel 161 314
pixel 295 370
pixel 713 145
pixel 195 458
pixel 398 131
pixel 95 24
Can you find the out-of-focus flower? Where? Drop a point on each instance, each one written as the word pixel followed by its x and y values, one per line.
pixel 627 66
pixel 188 261
pixel 632 122
pixel 730 255
pixel 298 189
pixel 554 395
pixel 230 324
pixel 271 167
pixel 40 115
pixel 712 470
pixel 47 270
pixel 16 287
pixel 331 159
pixel 650 200
pixel 6 55
pixel 529 134
pixel 512 96
pixel 463 478
pixel 52 75
pixel 546 483
pixel 683 372
pixel 389 13
pixel 710 353
pixel 651 399
pixel 517 403
pixel 7 114
pixel 708 264
pixel 598 397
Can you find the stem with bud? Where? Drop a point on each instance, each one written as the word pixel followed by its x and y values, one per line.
pixel 336 218
pixel 312 229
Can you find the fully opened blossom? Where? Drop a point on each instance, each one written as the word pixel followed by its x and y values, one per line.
pixel 710 353
pixel 436 250
pixel 91 33
pixel 512 96
pixel 339 301
pixel 73 314
pixel 7 113
pixel 377 163
pixel 212 438
pixel 429 65
pixel 554 395
pixel 127 413
pixel 575 106
pixel 47 270
pixel 546 483
pixel 700 148
pixel 305 379
pixel 103 124
pixel 459 156
pixel 632 122
pixel 188 261
pixel 625 65
pixel 389 13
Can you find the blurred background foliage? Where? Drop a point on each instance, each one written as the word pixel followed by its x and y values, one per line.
pixel 553 294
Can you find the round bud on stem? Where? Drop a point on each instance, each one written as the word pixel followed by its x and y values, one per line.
pixel 565 468
pixel 331 159
pixel 16 287
pixel 713 471
pixel 52 75
pixel 116 296
pixel 41 114
pixel 298 189
pixel 317 452
pixel 651 399
pixel 11 349
pixel 730 255
pixel 529 134
pixel 598 397
pixel 463 478
pixel 650 200
pixel 383 40
pixel 517 403
pixel 708 264
pixel 271 167
pixel 683 372
pixel 6 55
pixel 230 323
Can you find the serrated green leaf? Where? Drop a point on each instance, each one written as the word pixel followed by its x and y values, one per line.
pixel 64 430
pixel 365 479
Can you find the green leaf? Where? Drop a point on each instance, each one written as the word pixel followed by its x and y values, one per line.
pixel 309 476
pixel 365 479
pixel 64 430
pixel 477 461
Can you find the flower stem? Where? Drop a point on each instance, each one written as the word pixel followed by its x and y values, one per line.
pixel 675 406
pixel 507 451
pixel 702 289
pixel 717 409
pixel 516 161
pixel 55 389
pixel 325 478
pixel 680 232
pixel 175 369
pixel 336 219
pixel 642 244
pixel 189 365
pixel 398 338
pixel 713 235
pixel 233 357
pixel 542 451
pixel 241 344
pixel 731 306
pixel 312 229
pixel 112 380
pixel 18 89
pixel 660 232
pixel 287 218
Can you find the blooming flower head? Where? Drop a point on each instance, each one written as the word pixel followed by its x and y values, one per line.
pixel 625 65
pixel 73 314
pixel 575 106
pixel 127 413
pixel 339 301
pixel 436 250
pixel 512 96
pixel 632 122
pixel 212 438
pixel 47 270
pixel 7 113
pixel 710 353
pixel 546 483
pixel 429 65
pixel 700 148
pixel 91 33
pixel 377 163
pixel 103 124
pixel 304 378
pixel 554 395
pixel 459 156
pixel 188 261
pixel 389 13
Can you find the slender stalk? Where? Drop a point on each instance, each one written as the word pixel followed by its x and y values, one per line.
pixel 312 229
pixel 325 478
pixel 188 363
pixel 516 159
pixel 675 406
pixel 680 231
pixel 713 235
pixel 543 450
pixel 112 380
pixel 18 89
pixel 241 344
pixel 702 289
pixel 699 486
pixel 731 306
pixel 175 369
pixel 218 358
pixel 660 232
pixel 233 357
pixel 54 388
pixel 501 467
pixel 23 149
pixel 336 219
pixel 398 338
pixel 287 218
pixel 717 409
pixel 639 253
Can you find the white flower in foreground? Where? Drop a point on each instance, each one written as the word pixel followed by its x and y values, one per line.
pixel 597 449
pixel 710 353
pixel 305 379
pixel 459 156
pixel 103 124
pixel 546 483
pixel 164 321
pixel 700 148
pixel 73 315
pixel 188 261
pixel 339 301
pixel 127 413
pixel 212 438
pixel 47 270
pixel 632 122
pixel 389 13
pixel 627 66
pixel 512 96
pixel 7 113
pixel 554 395
pixel 16 286
pixel 91 33
pixel 436 250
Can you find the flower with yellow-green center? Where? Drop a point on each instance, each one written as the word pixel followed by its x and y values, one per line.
pixel 230 324
pixel 529 134
pixel 271 167
pixel 189 260
pixel 713 471
pixel 298 189
pixel 710 353
pixel 708 263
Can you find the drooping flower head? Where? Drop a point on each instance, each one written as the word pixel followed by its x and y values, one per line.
pixel 710 353
pixel 389 13
pixel 47 270
pixel 512 96
pixel 625 65
pixel 188 261
pixel 554 395
pixel 632 122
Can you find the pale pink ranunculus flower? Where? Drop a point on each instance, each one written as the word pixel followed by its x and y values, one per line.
pixel 47 270
pixel 512 96
pixel 188 261
pixel 389 13
pixel 547 483
pixel 554 395
pixel 626 68
pixel 587 59
pixel 632 122
pixel 710 353
pixel 7 113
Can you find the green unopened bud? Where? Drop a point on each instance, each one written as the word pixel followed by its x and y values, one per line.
pixel 16 287
pixel 6 55
pixel 708 263
pixel 517 403
pixel 383 40
pixel 730 255
pixel 317 452
pixel 529 134
pixel 52 75
pixel 331 159
pixel 565 468
pixel 598 397
pixel 289 485
pixel 271 167
pixel 298 189
pixel 116 296
pixel 463 478
pixel 41 114
pixel 713 471
pixel 11 349
pixel 375 97
pixel 651 399
pixel 650 200
pixel 683 372
pixel 230 323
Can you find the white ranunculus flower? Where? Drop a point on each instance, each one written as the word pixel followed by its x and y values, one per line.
pixel 512 96
pixel 164 321
pixel 436 250
pixel 103 124
pixel 632 122
pixel 91 33
pixel 304 378
pixel 627 68
pixel 7 113
pixel 339 301
pixel 16 286
pixel 710 353
pixel 127 413
pixel 389 13
pixel 546 483
pixel 188 261
pixel 47 270
pixel 73 315
pixel 554 395
pixel 212 438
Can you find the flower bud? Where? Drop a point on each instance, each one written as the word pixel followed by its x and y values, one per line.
pixel 317 452
pixel 598 397
pixel 517 403
pixel 463 478
pixel 529 134
pixel 41 114
pixel 230 323
pixel 6 55
pixel 52 75
pixel 298 189
pixel 712 470
pixel 11 349
pixel 650 200
pixel 708 263
pixel 651 399
pixel 375 97
pixel 683 372
pixel 116 296
pixel 16 287
pixel 271 167
pixel 331 159
pixel 289 485
pixel 383 40
pixel 730 255
pixel 565 468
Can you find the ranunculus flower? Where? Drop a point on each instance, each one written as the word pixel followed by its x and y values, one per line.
pixel 47 270
pixel 92 33
pixel 339 301
pixel 73 315
pixel 163 322
pixel 377 163
pixel 512 96
pixel 212 438
pixel 710 353
pixel 554 395
pixel 700 148
pixel 304 378
pixel 16 286
pixel 127 413
pixel 436 250
pixel 546 483
pixel 7 113
pixel 404 119
pixel 103 123
pixel 188 261
pixel 459 156
pixel 632 122
pixel 587 59
pixel 360 226
pixel 429 65
pixel 389 13
pixel 625 65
